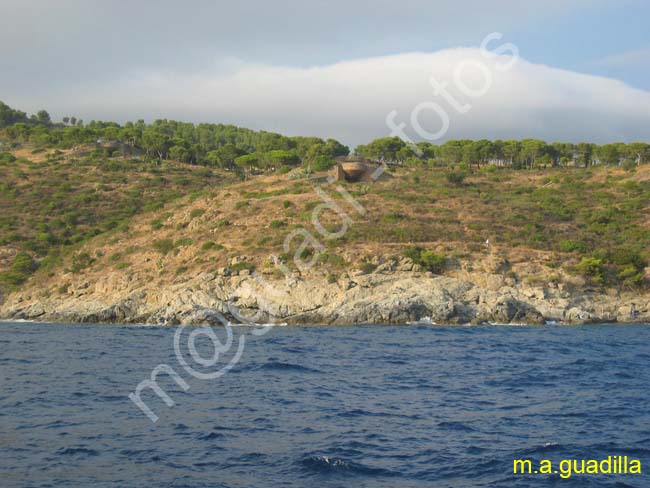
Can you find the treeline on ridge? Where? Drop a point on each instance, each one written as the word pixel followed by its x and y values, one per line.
pixel 232 147
pixel 518 154
pixel 220 145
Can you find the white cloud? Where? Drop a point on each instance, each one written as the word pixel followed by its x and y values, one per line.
pixel 350 100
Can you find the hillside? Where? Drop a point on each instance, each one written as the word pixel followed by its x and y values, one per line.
pixel 97 231
pixel 168 222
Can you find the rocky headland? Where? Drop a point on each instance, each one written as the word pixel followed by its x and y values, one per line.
pixel 397 291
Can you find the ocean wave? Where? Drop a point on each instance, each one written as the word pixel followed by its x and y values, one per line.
pixel 77 451
pixel 455 426
pixel 282 366
pixel 359 412
pixel 543 448
pixel 210 436
pixel 319 464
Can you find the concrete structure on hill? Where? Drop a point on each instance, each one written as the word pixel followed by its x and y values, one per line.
pixel 354 168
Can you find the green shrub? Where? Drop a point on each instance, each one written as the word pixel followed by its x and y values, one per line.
pixel 432 262
pixel 323 163
pixel 130 250
pixel 276 224
pixel 592 269
pixel 197 212
pixel 163 246
pixel 413 253
pixel 209 245
pixel 624 255
pixel 394 217
pixel 236 268
pixel 631 276
pixel 332 259
pixel 183 242
pixel 7 158
pixel 241 204
pixel 151 206
pixel 21 269
pixel 367 267
pixel 630 266
pixel 81 261
pixel 629 165
pixel 429 260
pixel 455 177
pixel 289 257
pixel 573 246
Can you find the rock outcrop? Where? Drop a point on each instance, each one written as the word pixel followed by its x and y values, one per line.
pixel 390 295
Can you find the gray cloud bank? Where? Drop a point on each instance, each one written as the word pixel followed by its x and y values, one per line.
pixel 350 100
pixel 276 66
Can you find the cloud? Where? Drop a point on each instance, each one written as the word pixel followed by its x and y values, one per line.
pixel 70 42
pixel 350 100
pixel 635 58
pixel 318 67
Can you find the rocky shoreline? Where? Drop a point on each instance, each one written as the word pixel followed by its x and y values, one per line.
pixel 389 295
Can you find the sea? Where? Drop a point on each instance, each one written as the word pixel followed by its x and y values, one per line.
pixel 358 406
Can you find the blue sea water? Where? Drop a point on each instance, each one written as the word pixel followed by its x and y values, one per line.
pixel 367 406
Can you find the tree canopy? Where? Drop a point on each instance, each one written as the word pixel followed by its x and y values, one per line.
pixel 232 147
pixel 526 153
pixel 203 144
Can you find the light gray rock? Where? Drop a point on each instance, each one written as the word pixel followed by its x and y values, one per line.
pixel 381 297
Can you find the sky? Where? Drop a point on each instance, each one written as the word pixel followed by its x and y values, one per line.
pixel 337 68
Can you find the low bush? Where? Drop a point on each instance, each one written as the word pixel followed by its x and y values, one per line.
pixel 592 269
pixel 429 260
pixel 163 246
pixel 236 268
pixel 81 261
pixel 276 224
pixel 210 245
pixel 21 269
pixel 7 158
pixel 367 267
pixel 323 163
pixel 456 177
pixel 432 262
pixel 197 212
pixel 157 224
pixel 573 246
